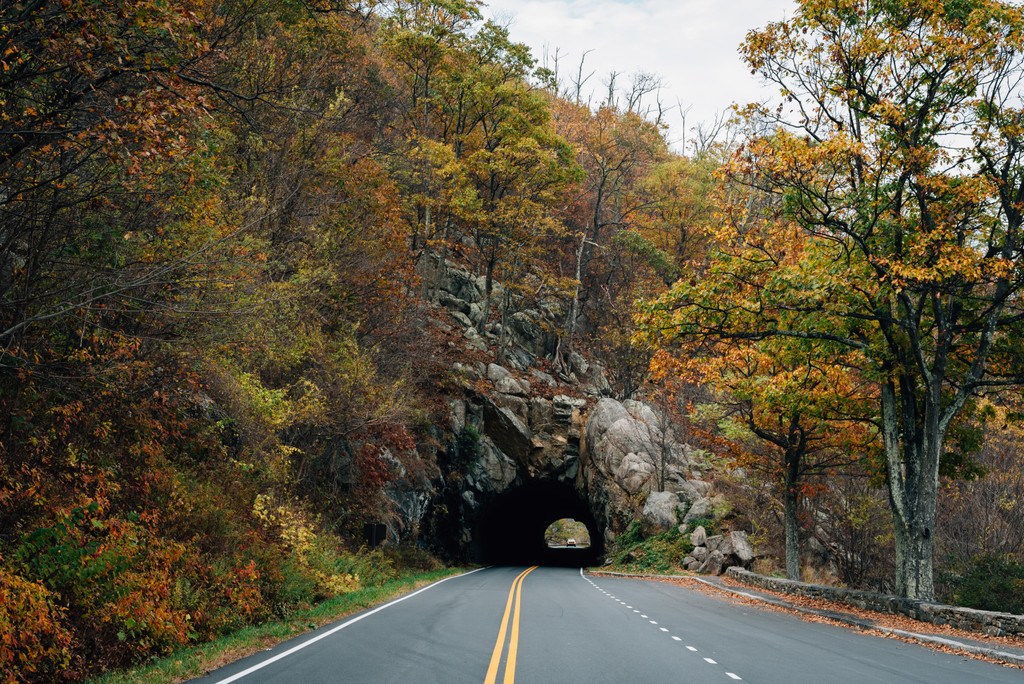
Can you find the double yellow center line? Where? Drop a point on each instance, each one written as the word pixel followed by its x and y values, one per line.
pixel 513 646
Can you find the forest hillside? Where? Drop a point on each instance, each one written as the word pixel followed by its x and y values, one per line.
pixel 222 229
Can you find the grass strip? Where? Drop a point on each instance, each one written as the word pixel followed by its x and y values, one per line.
pixel 195 661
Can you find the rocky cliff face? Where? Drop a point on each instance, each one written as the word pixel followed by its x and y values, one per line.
pixel 524 438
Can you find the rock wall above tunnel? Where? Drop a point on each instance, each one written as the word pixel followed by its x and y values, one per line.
pixel 526 442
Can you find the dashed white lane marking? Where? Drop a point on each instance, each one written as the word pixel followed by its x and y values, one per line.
pixel 731 675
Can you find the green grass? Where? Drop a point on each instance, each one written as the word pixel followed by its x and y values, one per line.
pixel 197 660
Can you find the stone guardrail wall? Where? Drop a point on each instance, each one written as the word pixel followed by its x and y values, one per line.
pixel 983 621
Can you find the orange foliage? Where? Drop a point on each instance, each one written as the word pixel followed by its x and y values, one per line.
pixel 34 642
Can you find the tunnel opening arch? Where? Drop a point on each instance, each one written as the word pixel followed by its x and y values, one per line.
pixel 510 528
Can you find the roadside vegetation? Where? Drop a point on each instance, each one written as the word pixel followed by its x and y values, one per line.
pixel 195 661
pixel 658 554
pixel 222 227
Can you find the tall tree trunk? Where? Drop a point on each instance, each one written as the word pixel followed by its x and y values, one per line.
pixel 912 449
pixel 791 516
pixel 914 577
pixel 573 307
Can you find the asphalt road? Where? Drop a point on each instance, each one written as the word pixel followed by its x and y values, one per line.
pixel 554 625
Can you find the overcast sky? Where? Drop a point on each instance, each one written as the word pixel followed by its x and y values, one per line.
pixel 691 44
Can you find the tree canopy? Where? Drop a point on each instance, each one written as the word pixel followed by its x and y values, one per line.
pixel 896 237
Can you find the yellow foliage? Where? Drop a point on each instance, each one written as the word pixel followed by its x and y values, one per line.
pixel 297 534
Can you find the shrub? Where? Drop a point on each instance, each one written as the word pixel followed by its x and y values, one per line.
pixel 659 553
pixel 34 645
pixel 989 582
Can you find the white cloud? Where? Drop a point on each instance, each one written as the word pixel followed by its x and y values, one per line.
pixel 691 44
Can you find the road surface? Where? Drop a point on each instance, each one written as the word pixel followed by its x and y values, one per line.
pixel 557 625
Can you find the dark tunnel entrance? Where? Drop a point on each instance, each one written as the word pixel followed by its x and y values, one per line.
pixel 511 528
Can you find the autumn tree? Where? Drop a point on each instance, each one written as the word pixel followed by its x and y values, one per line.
pixel 616 150
pixel 93 103
pixel 793 406
pixel 898 158
pixel 794 412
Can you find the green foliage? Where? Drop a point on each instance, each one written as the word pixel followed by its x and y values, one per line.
pixel 661 553
pixel 466 449
pixel 709 525
pixel 564 529
pixel 988 582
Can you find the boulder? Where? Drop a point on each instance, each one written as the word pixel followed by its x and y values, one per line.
pixel 563 406
pixel 474 340
pixel 714 564
pixel 518 358
pixel 460 284
pixel 701 508
pixel 507 431
pixel 598 381
pixel 516 405
pixel 674 482
pixel 466 370
pixel 699 536
pixel 700 553
pixel 702 487
pixel 741 547
pixel 462 319
pixel 453 303
pixel 509 385
pixel 496 372
pixel 714 542
pixel 635 471
pixel 477 314
pixel 660 509
pixel 543 378
pixel 457 415
pixel 527 332
pixel 605 413
pixel 541 414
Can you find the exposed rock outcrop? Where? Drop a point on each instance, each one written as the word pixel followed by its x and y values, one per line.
pixel 519 419
pixel 714 554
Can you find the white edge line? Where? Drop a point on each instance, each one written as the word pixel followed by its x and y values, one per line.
pixel 304 644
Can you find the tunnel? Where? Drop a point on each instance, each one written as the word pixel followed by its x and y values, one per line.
pixel 511 527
